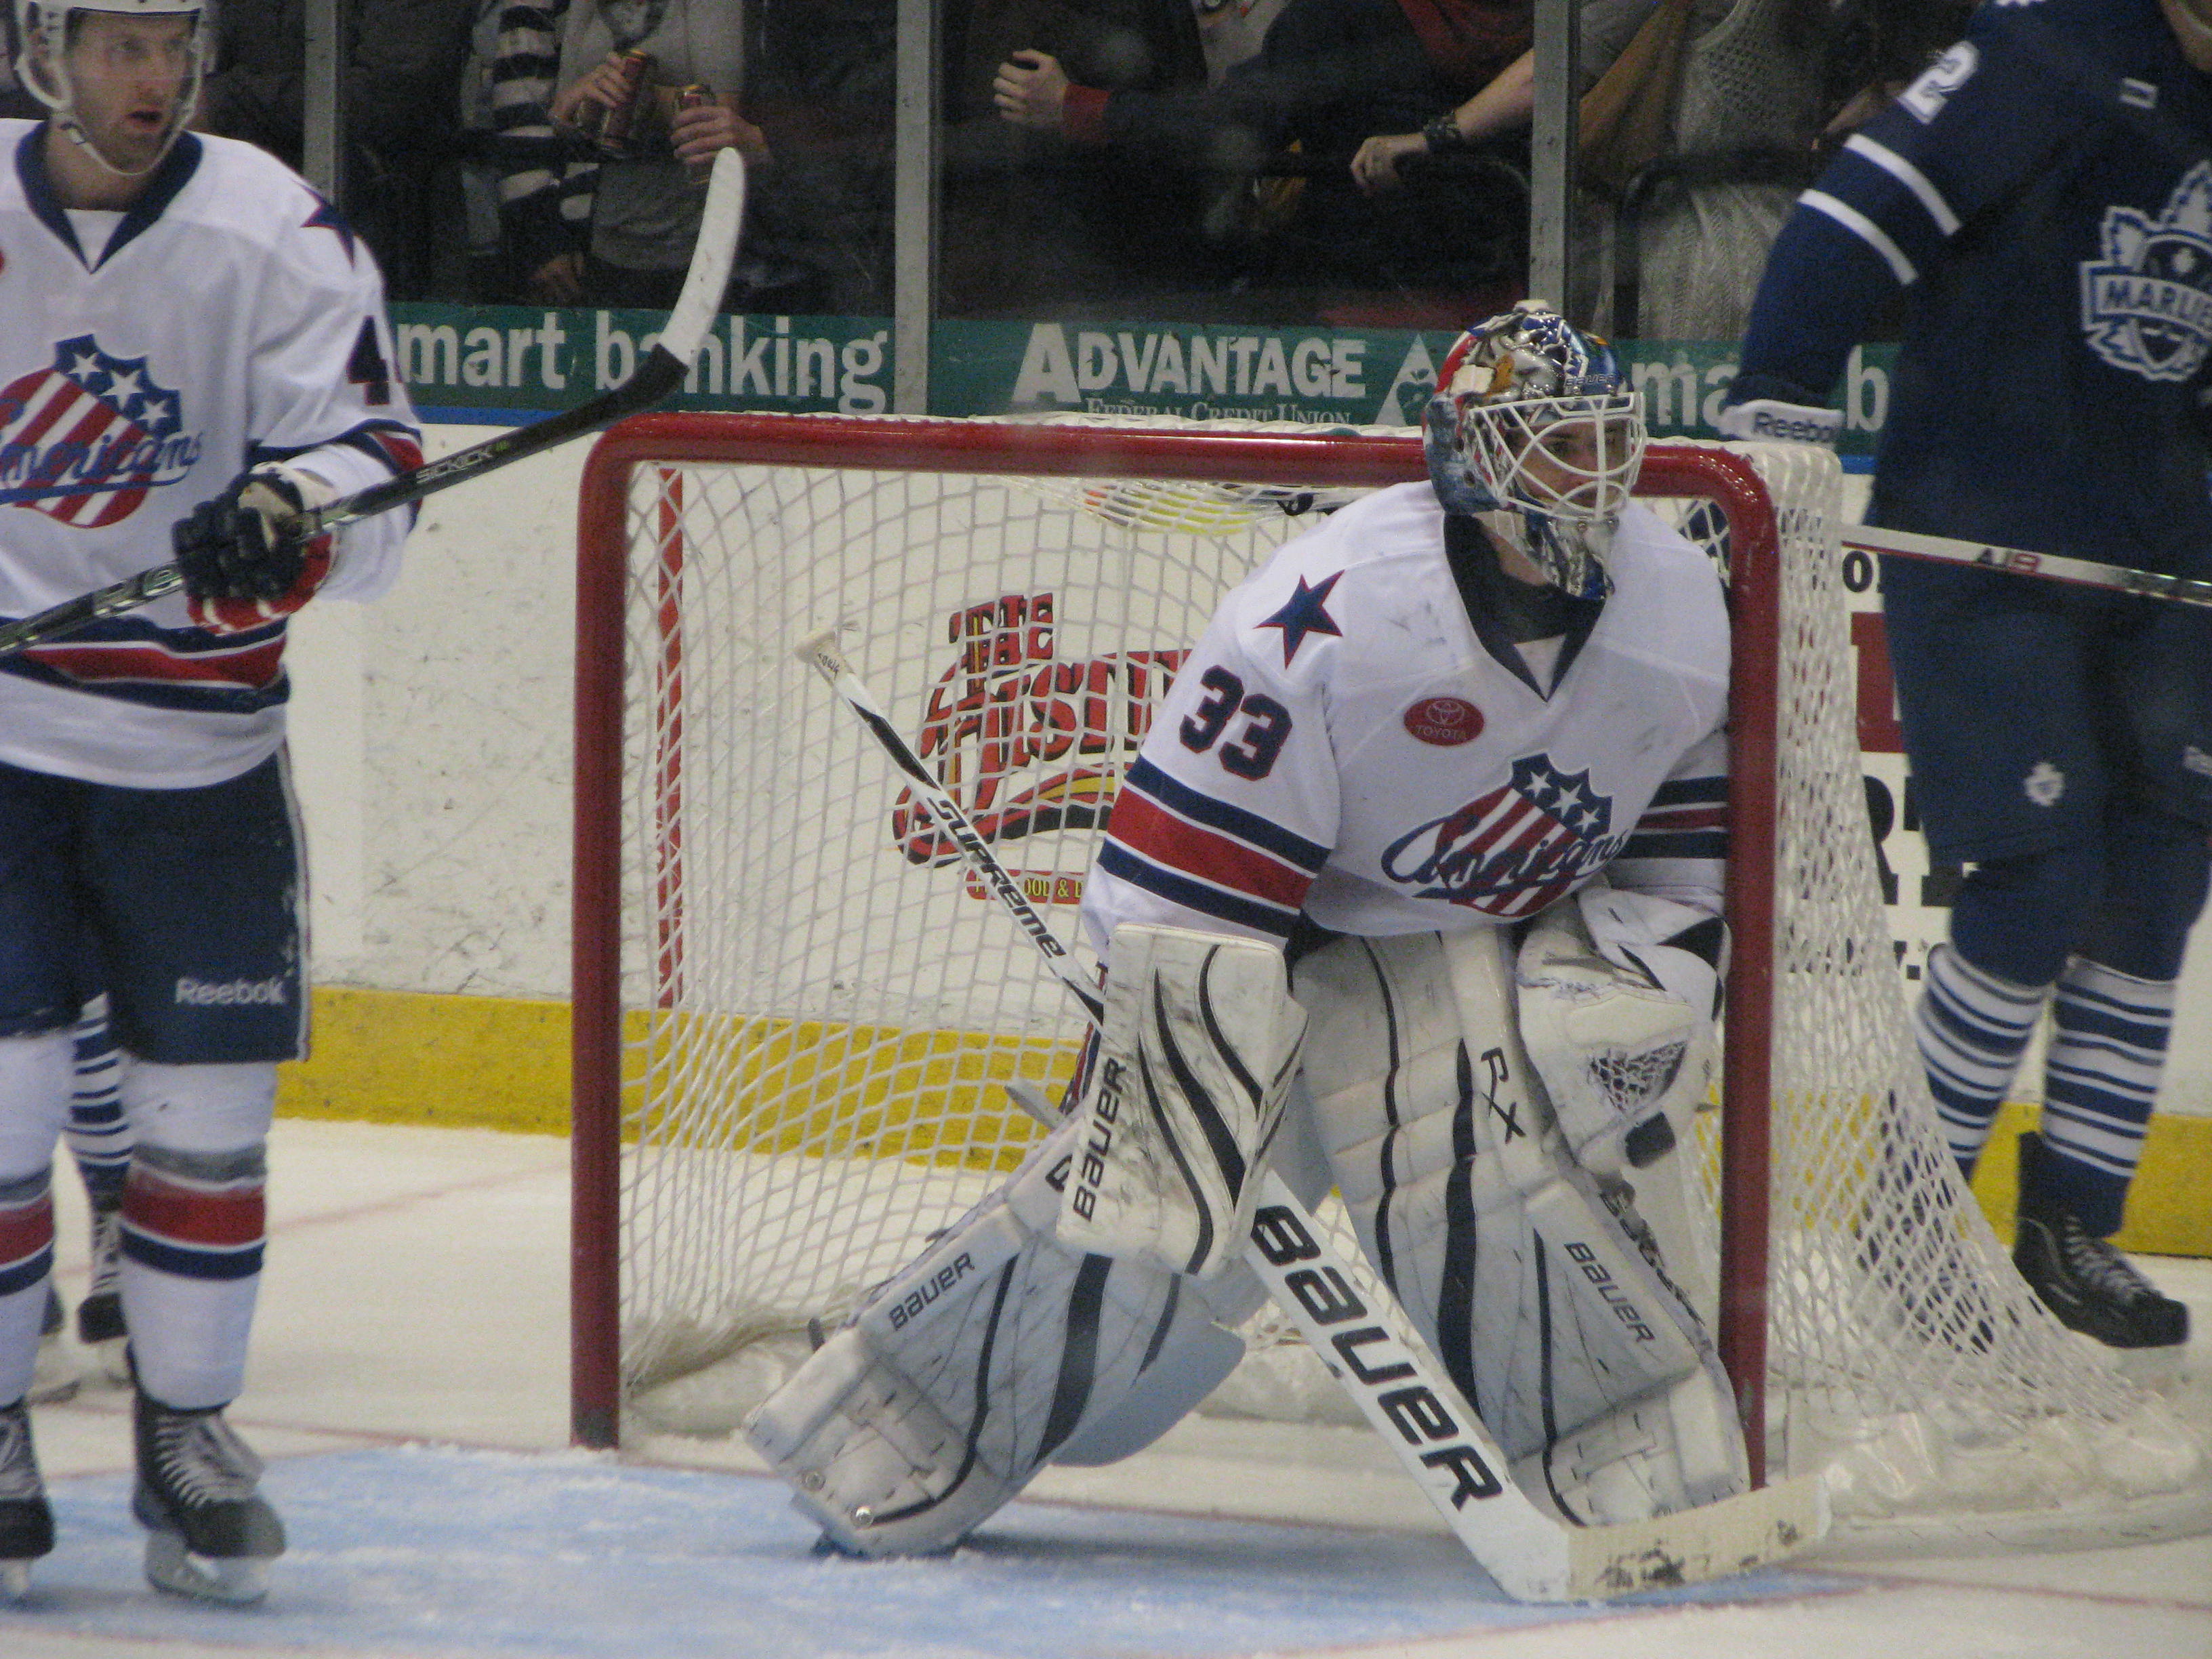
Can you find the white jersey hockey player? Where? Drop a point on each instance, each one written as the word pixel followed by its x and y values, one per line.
pixel 192 349
pixel 1413 890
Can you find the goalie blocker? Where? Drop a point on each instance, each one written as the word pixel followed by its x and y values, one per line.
pixel 1033 1331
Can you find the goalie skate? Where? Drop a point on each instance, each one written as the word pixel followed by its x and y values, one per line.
pixel 210 1534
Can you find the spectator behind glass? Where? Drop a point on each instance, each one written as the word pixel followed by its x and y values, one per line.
pixel 1328 73
pixel 401 74
pixel 820 80
pixel 589 228
pixel 1755 87
pixel 1032 223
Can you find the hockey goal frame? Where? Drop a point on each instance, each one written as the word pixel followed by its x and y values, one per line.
pixel 1330 458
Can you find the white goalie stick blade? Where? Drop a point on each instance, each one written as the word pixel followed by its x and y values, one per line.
pixel 659 375
pixel 1531 1554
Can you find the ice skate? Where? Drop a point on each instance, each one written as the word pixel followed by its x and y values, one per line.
pixel 210 1532
pixel 26 1525
pixel 2091 1286
pixel 54 1374
pixel 100 1315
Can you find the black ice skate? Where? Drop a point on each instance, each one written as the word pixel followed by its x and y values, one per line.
pixel 100 1315
pixel 54 1373
pixel 2090 1286
pixel 209 1533
pixel 26 1525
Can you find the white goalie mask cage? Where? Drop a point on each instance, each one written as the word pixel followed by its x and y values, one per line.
pixel 42 28
pixel 1533 419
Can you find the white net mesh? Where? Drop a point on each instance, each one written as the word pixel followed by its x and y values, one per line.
pixel 821 1009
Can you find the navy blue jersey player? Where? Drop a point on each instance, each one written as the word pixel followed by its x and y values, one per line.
pixel 2042 197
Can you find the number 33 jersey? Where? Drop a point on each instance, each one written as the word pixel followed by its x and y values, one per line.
pixel 1352 740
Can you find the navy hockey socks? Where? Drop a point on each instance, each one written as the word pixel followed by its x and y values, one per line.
pixel 2107 1051
pixel 1972 1028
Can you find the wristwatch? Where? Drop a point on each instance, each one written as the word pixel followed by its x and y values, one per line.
pixel 1443 137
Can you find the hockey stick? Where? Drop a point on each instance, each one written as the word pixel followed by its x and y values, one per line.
pixel 1532 1555
pixel 657 377
pixel 2020 562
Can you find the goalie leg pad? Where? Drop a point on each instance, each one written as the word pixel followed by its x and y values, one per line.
pixel 1534 1293
pixel 1182 1097
pixel 997 1350
pixel 1677 1447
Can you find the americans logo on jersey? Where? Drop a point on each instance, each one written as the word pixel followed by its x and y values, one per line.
pixel 1514 850
pixel 83 439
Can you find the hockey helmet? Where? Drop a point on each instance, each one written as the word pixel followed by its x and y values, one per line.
pixel 42 28
pixel 1533 423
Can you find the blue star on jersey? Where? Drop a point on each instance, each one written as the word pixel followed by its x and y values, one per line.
pixel 325 217
pixel 1302 615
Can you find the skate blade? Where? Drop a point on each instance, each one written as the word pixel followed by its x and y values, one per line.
pixel 54 1376
pixel 14 1580
pixel 109 1363
pixel 237 1580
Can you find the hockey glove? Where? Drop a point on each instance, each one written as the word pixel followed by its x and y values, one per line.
pixel 1618 992
pixel 242 566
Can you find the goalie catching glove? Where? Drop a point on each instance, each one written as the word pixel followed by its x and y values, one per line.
pixel 1182 1094
pixel 1617 995
pixel 243 567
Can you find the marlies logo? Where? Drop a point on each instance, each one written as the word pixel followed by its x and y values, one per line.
pixel 1514 850
pixel 203 994
pixel 1446 722
pixel 2045 784
pixel 1028 743
pixel 84 440
pixel 2147 305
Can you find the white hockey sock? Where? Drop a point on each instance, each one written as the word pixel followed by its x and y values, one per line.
pixel 27 1260
pixel 1972 1028
pixel 192 1229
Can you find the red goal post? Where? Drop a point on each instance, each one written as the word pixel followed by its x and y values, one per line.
pixel 732 1134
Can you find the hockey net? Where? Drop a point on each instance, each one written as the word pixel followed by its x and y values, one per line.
pixel 796 1015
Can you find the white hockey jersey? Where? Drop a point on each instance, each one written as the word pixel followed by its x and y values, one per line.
pixel 146 357
pixel 1344 742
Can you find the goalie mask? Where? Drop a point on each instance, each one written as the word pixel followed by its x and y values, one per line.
pixel 1534 425
pixel 45 29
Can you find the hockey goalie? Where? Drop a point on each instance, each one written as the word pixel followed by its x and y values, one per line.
pixel 1413 891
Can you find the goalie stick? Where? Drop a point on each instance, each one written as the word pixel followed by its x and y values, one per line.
pixel 2020 561
pixel 1405 1397
pixel 657 377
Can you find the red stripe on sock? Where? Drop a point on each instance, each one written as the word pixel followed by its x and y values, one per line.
pixel 222 1216
pixel 26 1229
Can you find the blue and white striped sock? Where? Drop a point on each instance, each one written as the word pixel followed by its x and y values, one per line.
pixel 2107 1051
pixel 98 1134
pixel 1972 1028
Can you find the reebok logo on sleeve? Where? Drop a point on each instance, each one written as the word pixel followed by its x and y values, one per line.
pixel 237 992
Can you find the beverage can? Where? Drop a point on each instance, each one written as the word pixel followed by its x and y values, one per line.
pixel 614 133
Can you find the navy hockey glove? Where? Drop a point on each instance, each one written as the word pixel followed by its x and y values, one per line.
pixel 241 569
